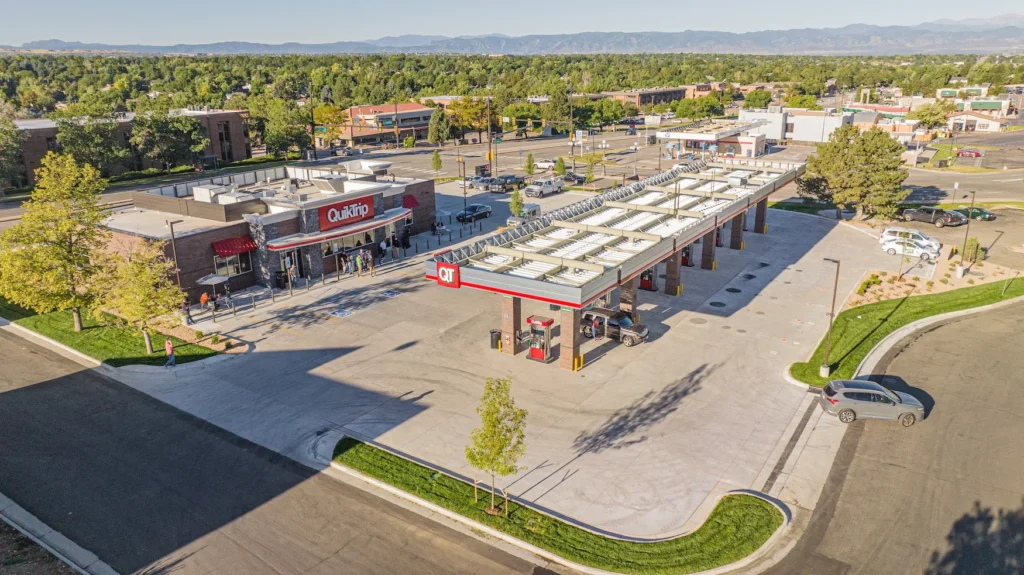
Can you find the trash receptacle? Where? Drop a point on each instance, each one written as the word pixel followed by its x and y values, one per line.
pixel 280 280
pixel 495 338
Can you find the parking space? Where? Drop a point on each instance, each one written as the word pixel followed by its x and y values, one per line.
pixel 641 441
pixel 1003 237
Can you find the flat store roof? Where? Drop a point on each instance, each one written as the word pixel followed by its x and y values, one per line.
pixel 574 255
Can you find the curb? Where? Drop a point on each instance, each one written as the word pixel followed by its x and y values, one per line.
pixel 872 359
pixel 786 375
pixel 90 361
pixel 81 560
pixel 756 555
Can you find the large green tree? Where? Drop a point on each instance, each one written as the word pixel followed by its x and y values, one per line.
pixel 708 106
pixel 932 115
pixel 10 148
pixel 861 170
pixel 758 99
pixel 48 260
pixel 284 127
pixel 439 130
pixel 803 101
pixel 169 137
pixel 500 442
pixel 137 288
pixel 90 133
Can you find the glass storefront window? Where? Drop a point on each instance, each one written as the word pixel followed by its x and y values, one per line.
pixel 233 265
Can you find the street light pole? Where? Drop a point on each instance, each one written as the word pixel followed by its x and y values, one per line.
pixel 967 231
pixel 825 368
pixel 174 249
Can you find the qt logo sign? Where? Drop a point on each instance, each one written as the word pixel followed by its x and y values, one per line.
pixel 448 275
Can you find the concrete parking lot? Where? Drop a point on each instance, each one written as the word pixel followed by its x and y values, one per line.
pixel 640 442
pixel 999 236
pixel 942 497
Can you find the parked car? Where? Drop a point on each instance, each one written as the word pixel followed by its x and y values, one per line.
pixel 980 214
pixel 574 178
pixel 544 164
pixel 468 181
pixel 938 216
pixel 473 212
pixel 507 183
pixel 613 324
pixel 850 399
pixel 483 183
pixel 530 212
pixel 895 232
pixel 539 188
pixel 910 248
pixel 969 153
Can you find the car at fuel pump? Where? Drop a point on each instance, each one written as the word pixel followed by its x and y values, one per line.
pixel 613 324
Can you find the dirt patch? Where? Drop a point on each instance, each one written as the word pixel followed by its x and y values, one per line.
pixel 20 556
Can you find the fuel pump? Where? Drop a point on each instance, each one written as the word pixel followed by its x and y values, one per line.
pixel 649 279
pixel 540 337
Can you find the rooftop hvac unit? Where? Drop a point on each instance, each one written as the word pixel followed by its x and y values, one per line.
pixel 738 181
pixel 330 184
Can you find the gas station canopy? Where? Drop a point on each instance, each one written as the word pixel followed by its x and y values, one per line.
pixel 574 255
pixel 709 130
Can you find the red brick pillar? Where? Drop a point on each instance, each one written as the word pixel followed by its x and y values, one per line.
pixel 707 259
pixel 672 274
pixel 511 316
pixel 736 239
pixel 569 338
pixel 627 297
pixel 760 217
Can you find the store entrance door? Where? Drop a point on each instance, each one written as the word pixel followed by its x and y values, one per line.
pixel 294 257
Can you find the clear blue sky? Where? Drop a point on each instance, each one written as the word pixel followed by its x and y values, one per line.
pixel 310 21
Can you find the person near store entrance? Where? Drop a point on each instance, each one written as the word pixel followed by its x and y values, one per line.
pixel 394 247
pixel 369 264
pixel 359 263
pixel 383 250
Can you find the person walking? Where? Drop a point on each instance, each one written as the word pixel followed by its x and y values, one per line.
pixel 370 266
pixel 186 311
pixel 394 247
pixel 169 350
pixel 383 250
pixel 359 263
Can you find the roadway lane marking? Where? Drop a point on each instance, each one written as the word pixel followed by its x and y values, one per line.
pixel 1013 180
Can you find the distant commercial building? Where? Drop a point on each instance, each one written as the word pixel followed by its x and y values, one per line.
pixel 958 80
pixel 887 111
pixel 386 123
pixel 787 125
pixel 998 107
pixel 723 138
pixel 697 90
pixel 980 90
pixel 648 96
pixel 227 130
pixel 973 122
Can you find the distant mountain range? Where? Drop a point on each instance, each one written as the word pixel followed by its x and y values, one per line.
pixel 1000 34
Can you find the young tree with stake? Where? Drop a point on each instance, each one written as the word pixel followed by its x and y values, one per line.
pixel 499 443
pixel 138 288
pixel 529 168
pixel 515 203
pixel 435 161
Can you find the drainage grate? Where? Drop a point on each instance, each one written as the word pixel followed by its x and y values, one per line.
pixel 763 264
pixel 748 276
pixel 717 304
pixel 733 290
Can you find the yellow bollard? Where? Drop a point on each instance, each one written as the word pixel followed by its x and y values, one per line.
pixel 679 290
pixel 743 244
pixel 499 345
pixel 714 265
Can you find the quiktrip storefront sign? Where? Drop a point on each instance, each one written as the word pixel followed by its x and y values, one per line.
pixel 344 213
pixel 448 275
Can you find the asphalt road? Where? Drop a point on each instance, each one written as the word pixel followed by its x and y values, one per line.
pixel 946 496
pixel 151 489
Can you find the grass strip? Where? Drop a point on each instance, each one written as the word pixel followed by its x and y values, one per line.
pixel 103 341
pixel 737 527
pixel 858 330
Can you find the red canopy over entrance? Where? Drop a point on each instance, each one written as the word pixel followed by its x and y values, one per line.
pixel 234 246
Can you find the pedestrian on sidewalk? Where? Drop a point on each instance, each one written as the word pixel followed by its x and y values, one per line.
pixel 383 250
pixel 394 247
pixel 371 267
pixel 169 350
pixel 359 264
pixel 187 311
pixel 343 258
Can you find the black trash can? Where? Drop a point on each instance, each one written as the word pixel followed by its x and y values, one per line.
pixel 495 338
pixel 280 280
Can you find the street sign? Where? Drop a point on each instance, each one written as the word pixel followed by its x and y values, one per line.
pixel 579 135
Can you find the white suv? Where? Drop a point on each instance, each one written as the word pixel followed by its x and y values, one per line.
pixel 544 164
pixel 897 233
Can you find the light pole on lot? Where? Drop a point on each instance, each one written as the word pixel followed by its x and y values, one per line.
pixel 462 179
pixel 174 249
pixel 825 368
pixel 970 214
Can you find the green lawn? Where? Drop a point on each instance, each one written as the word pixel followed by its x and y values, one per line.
pixel 737 527
pixel 858 330
pixel 801 207
pixel 105 342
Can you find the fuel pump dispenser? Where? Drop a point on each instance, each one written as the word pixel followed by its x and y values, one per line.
pixel 540 337
pixel 686 255
pixel 649 279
